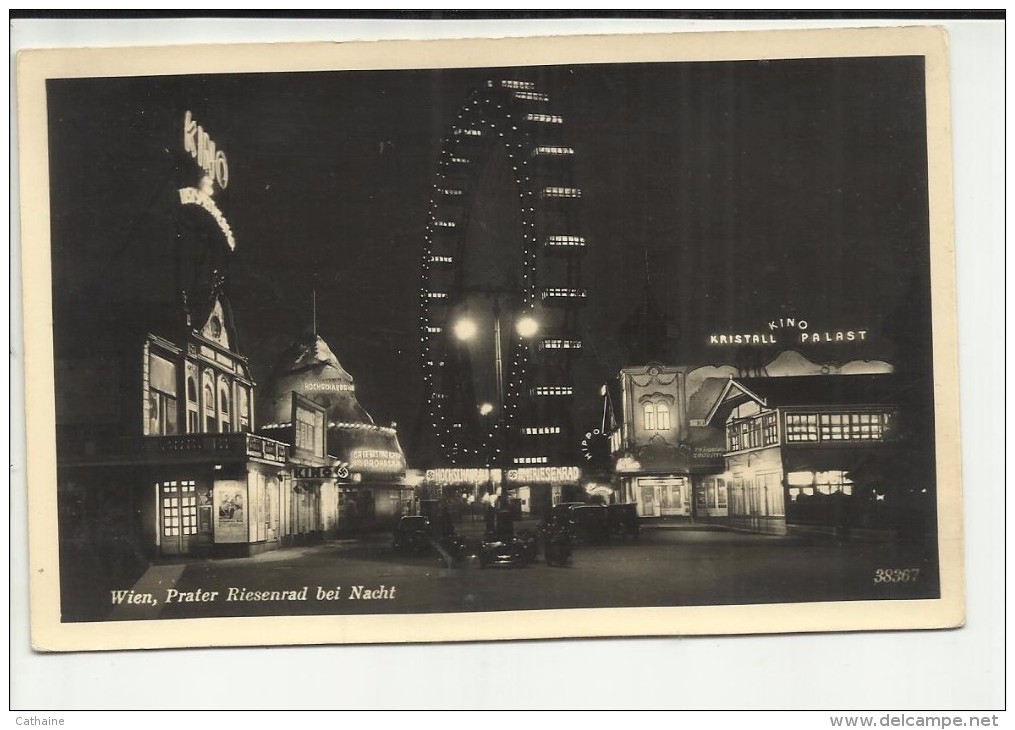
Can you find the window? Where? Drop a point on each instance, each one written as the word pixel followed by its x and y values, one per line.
pixel 801 427
pixel 545 118
pixel 744 434
pixel 243 408
pixel 650 416
pixel 565 241
pixel 193 420
pixel 162 417
pixel 208 405
pixel 769 429
pixel 720 493
pixel 553 390
pixel 854 426
pixel 224 408
pixel 179 509
pixel 662 417
pixel 555 191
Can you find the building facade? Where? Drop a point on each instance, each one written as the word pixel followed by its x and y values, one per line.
pixel 810 453
pixel 310 401
pixel 661 455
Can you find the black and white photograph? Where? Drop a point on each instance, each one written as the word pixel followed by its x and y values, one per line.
pixel 493 349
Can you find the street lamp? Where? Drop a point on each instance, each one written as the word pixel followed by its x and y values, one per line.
pixel 465 329
pixel 527 326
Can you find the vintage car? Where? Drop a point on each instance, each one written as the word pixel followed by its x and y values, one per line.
pixel 623 519
pixel 510 550
pixel 417 535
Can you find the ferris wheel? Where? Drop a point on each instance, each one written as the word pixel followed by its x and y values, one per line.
pixel 518 330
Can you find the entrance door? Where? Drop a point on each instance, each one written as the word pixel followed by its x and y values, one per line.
pixel 648 501
pixel 178 513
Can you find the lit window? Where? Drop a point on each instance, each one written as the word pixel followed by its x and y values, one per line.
pixel 565 241
pixel 514 84
pixel 162 417
pixel 224 409
pixel 801 427
pixel 560 292
pixel 540 430
pixel 531 460
pixel 769 429
pixel 545 118
pixel 551 150
pixel 557 344
pixel 555 191
pixel 531 96
pixel 650 416
pixel 552 390
pixel 662 417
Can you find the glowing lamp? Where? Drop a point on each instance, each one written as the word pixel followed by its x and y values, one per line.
pixel 465 329
pixel 485 409
pixel 527 326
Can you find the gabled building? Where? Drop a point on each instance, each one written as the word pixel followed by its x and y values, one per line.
pixel 809 452
pixel 310 395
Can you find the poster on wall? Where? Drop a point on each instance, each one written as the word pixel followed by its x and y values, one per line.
pixel 691 294
pixel 230 511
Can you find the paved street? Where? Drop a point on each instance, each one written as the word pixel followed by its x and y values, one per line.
pixel 666 567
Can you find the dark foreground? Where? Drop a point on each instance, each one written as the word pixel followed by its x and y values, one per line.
pixel 665 567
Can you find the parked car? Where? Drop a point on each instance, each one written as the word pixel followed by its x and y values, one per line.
pixel 591 524
pixel 415 535
pixel 623 519
pixel 515 550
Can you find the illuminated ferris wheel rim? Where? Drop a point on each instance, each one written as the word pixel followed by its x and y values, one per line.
pixel 508 115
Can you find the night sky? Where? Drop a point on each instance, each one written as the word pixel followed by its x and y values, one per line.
pixel 755 190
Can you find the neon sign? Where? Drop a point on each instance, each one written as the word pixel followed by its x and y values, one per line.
pixel 193 196
pixel 203 149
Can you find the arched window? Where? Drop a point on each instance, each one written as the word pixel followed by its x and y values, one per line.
pixel 243 408
pixel 193 420
pixel 662 417
pixel 208 396
pixel 650 416
pixel 224 407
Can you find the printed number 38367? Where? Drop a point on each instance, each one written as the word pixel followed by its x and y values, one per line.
pixel 896 575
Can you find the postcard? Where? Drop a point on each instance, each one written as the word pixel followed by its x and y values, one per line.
pixel 645 335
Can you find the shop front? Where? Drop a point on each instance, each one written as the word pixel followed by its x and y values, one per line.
pixel 204 495
pixel 672 482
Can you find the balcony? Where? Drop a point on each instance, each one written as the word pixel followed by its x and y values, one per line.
pixel 176 448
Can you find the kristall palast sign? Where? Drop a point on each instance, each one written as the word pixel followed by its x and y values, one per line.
pixel 798 330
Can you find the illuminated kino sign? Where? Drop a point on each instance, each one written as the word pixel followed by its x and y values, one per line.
pixel 213 161
pixel 524 475
pixel 203 149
